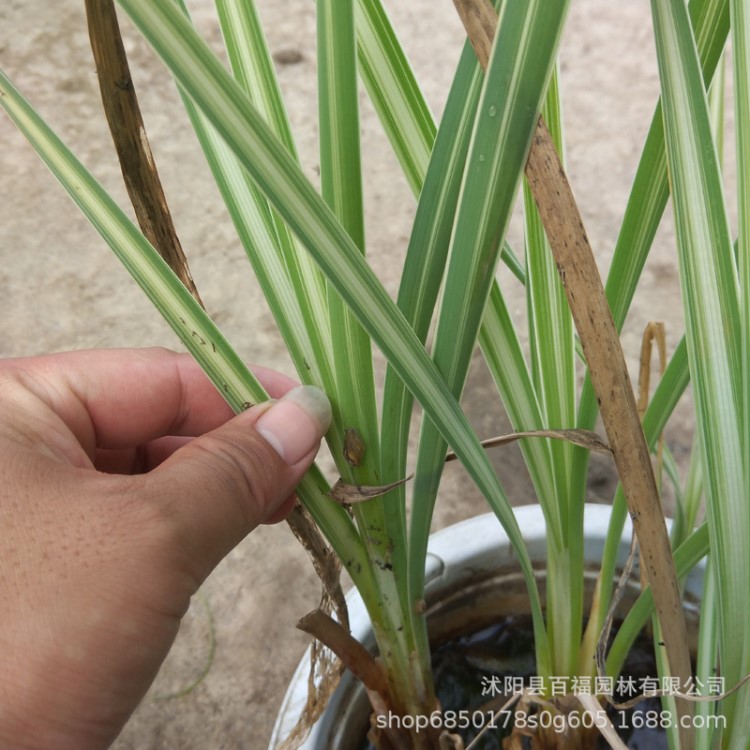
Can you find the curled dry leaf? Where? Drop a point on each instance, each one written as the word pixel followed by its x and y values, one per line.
pixel 131 143
pixel 582 438
pixel 349 494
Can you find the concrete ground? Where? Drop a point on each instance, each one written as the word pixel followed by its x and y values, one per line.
pixel 62 288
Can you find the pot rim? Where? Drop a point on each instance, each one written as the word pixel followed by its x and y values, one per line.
pixel 477 546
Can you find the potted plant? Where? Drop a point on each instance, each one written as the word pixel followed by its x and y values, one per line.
pixel 473 584
pixel 330 307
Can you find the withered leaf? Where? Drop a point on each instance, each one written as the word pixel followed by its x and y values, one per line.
pixel 350 494
pixel 582 438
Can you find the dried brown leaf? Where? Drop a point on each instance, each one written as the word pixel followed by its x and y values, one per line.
pixel 349 650
pixel 582 438
pixel 325 668
pixel 349 493
pixel 129 135
pixel 324 560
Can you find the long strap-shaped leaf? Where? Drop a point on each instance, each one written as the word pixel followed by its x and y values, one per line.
pixel 646 204
pixel 354 397
pixel 203 76
pixel 511 99
pixel 648 197
pixel 668 392
pixel 278 251
pixel 585 292
pixel 644 210
pixel 181 311
pixel 552 348
pixel 420 284
pixel 611 381
pixel 399 102
pixel 252 65
pixel 123 115
pixel 503 352
pixel 710 299
pixel 394 92
pixel 741 53
pixel 341 185
pixel 741 56
pixel 257 231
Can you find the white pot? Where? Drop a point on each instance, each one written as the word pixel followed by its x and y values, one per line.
pixel 477 549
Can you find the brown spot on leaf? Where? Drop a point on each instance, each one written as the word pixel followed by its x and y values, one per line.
pixel 354 447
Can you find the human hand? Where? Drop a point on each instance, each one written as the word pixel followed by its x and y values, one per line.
pixel 112 513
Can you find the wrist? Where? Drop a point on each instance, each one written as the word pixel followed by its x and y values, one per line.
pixel 36 700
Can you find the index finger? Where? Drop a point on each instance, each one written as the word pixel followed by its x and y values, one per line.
pixel 122 398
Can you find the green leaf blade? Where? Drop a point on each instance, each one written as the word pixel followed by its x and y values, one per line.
pixel 710 300
pixel 507 113
pixel 645 207
pixel 740 14
pixel 295 289
pixel 394 92
pixel 234 381
pixel 290 192
pixel 341 180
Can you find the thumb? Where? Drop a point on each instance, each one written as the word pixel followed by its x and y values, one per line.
pixel 220 486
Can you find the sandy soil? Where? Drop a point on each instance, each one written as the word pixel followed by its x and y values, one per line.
pixel 62 289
